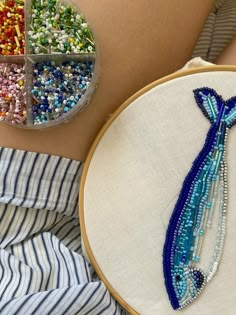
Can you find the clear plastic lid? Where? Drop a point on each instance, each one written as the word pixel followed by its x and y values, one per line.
pixel 48 62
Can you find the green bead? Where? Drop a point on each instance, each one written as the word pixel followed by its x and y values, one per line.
pixel 43 41
pixel 201 232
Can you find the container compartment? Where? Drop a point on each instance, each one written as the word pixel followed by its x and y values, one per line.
pixel 13 108
pixel 12 27
pixel 57 27
pixel 58 86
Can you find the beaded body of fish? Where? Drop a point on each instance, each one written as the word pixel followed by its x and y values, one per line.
pixel 204 191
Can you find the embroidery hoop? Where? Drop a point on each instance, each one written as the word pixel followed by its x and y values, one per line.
pixel 104 152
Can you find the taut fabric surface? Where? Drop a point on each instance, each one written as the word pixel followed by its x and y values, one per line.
pixel 133 182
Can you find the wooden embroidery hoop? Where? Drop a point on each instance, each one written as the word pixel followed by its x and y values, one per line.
pixel 90 206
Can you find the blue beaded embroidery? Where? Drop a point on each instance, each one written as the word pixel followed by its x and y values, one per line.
pixel 205 184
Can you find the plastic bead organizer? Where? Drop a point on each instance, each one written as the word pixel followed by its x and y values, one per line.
pixel 47 62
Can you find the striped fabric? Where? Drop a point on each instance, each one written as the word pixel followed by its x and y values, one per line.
pixel 42 269
pixel 218 30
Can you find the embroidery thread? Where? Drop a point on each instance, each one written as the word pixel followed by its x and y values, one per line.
pixel 204 189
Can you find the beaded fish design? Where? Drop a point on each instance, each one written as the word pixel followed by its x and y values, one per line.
pixel 203 192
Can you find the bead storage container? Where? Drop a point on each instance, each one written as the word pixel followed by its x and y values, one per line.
pixel 48 62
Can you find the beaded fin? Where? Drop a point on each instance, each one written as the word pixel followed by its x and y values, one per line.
pixel 203 193
pixel 231 112
pixel 209 102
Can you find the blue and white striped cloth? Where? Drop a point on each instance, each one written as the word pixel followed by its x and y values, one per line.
pixel 42 269
pixel 218 31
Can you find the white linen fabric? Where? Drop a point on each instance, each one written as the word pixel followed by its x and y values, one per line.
pixel 42 269
pixel 133 182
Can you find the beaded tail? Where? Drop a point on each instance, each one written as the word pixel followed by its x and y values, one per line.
pixel 204 192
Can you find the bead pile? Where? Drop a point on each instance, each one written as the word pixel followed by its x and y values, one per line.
pixel 57 28
pixel 204 190
pixel 12 93
pixel 12 33
pixel 47 62
pixel 57 89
